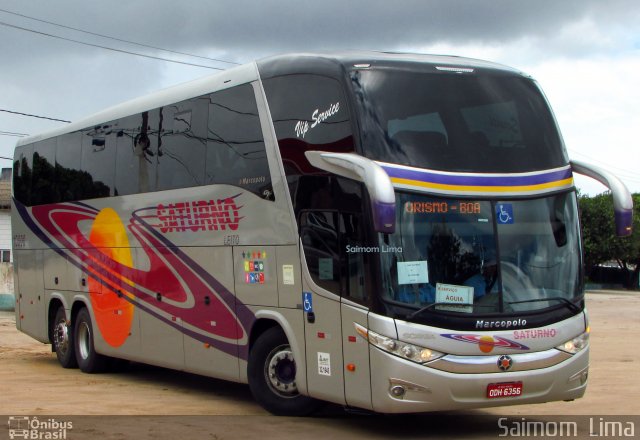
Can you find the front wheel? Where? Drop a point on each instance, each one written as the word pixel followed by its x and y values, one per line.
pixel 88 359
pixel 272 376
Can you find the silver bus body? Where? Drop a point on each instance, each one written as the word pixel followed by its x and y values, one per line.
pixel 274 252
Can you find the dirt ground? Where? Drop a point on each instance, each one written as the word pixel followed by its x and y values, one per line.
pixel 147 402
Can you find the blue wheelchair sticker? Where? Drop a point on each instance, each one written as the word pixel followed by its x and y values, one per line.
pixel 307 302
pixel 504 213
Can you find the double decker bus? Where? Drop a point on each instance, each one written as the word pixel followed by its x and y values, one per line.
pixel 391 232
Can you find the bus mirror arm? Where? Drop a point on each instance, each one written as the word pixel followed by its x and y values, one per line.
pixel 622 201
pixel 375 179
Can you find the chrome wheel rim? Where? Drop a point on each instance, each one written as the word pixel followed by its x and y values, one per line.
pixel 84 340
pixel 280 371
pixel 61 337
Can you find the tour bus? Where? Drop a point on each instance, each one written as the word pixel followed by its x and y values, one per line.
pixel 397 233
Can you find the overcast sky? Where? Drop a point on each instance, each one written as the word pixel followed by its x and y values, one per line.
pixel 585 54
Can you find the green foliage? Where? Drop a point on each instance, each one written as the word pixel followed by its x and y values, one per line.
pixel 600 241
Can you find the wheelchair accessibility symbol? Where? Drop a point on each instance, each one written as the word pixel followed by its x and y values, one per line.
pixel 504 213
pixel 307 302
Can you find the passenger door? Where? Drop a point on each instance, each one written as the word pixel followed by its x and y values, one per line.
pixel 321 304
pixel 337 359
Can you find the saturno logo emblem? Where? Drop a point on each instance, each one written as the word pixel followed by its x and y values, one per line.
pixel 505 362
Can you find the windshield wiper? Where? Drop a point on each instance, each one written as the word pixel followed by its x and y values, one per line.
pixel 570 305
pixel 423 309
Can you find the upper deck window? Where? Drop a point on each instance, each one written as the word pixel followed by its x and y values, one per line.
pixel 212 139
pixel 456 122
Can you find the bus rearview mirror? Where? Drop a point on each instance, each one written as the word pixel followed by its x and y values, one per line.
pixel 622 201
pixel 375 179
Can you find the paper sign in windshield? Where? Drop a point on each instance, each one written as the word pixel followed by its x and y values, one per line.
pixel 325 268
pixel 413 272
pixel 460 297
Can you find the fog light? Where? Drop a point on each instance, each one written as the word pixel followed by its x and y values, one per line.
pixel 398 391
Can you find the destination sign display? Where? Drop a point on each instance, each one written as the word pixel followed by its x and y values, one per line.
pixel 443 207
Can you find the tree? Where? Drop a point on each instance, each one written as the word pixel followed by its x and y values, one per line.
pixel 601 245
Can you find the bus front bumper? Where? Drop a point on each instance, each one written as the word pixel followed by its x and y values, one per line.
pixel 401 386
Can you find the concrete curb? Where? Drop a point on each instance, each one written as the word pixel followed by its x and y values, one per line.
pixel 7 302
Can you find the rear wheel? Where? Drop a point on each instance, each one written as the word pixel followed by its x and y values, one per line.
pixel 272 376
pixel 62 340
pixel 88 359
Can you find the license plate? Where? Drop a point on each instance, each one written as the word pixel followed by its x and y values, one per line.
pixel 504 389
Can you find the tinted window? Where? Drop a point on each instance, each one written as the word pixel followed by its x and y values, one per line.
pixel 329 213
pixel 456 122
pixel 99 158
pixel 309 113
pixel 22 172
pixel 212 139
pixel 182 132
pixel 43 183
pixel 135 156
pixel 70 181
pixel 235 146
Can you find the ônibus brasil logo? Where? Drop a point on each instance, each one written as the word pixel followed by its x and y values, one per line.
pixel 26 427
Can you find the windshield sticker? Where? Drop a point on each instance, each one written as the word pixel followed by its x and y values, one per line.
pixel 325 268
pixel 318 117
pixel 413 272
pixel 460 297
pixel 504 213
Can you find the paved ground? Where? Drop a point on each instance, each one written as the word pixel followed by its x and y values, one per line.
pixel 168 404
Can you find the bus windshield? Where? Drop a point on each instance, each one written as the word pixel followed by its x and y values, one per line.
pixel 477 257
pixel 470 122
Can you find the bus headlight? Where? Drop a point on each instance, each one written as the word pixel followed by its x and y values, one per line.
pixel 576 344
pixel 404 350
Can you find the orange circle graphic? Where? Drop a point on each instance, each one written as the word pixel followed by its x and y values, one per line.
pixel 486 344
pixel 113 314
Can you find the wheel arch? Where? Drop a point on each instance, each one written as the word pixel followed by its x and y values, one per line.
pixel 267 319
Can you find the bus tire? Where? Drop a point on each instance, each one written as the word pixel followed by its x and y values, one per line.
pixel 272 373
pixel 88 359
pixel 63 340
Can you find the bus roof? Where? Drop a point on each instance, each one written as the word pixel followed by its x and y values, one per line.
pixel 329 63
pixel 326 62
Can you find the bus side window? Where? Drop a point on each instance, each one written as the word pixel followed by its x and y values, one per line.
pixel 354 255
pixel 236 152
pixel 334 251
pixel 181 145
pixel 135 157
pixel 309 113
pixel 98 161
pixel 22 172
pixel 319 236
pixel 70 181
pixel 329 213
pixel 43 182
